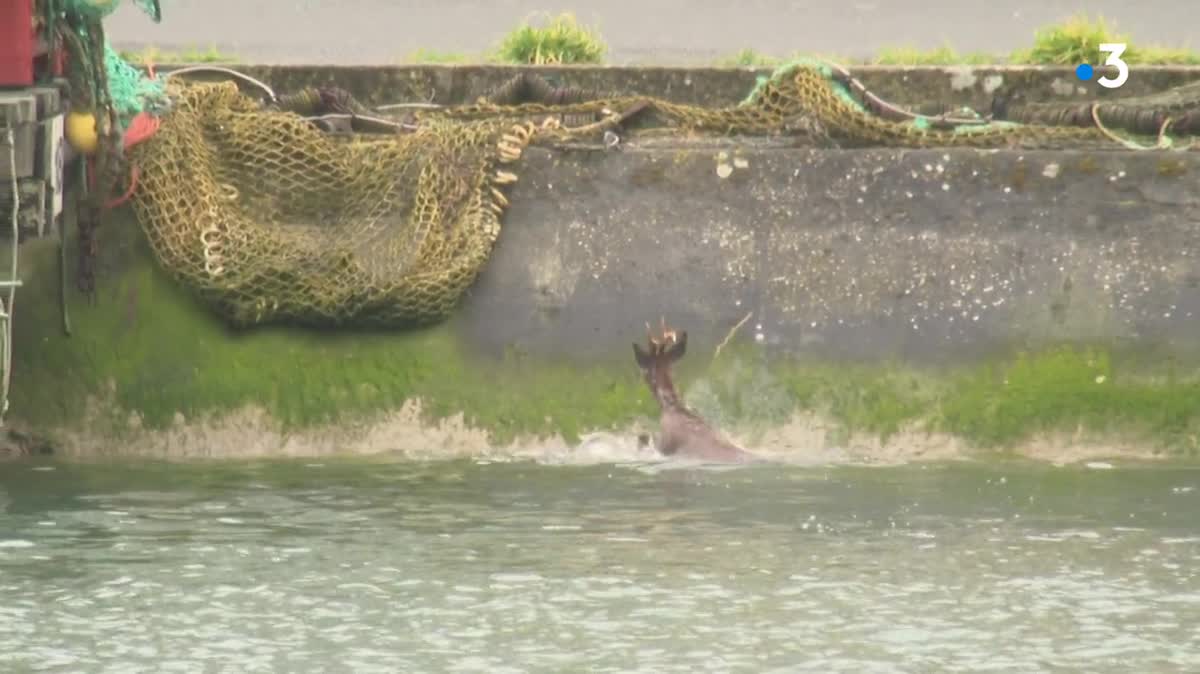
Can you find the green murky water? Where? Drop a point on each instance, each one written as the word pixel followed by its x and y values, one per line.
pixel 519 567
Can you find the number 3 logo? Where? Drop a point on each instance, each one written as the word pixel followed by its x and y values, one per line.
pixel 1114 51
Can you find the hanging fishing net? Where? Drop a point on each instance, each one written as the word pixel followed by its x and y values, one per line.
pixel 268 218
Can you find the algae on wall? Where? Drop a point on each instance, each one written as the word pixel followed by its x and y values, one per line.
pixel 161 354
pixel 146 347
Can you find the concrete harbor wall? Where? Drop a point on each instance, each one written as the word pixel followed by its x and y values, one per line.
pixel 973 86
pixel 873 304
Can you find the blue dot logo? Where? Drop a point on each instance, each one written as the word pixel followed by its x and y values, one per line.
pixel 1084 72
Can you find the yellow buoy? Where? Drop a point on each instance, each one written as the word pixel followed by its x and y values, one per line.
pixel 80 130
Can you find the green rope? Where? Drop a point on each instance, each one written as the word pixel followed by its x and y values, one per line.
pixel 130 90
pixel 92 9
pixel 843 92
pixel 782 72
pixel 100 9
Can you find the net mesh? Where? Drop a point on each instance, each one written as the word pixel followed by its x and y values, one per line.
pixel 129 90
pixel 270 219
pixel 99 9
pixel 93 9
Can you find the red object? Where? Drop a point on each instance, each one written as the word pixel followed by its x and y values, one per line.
pixel 16 43
pixel 133 181
pixel 58 57
pixel 141 127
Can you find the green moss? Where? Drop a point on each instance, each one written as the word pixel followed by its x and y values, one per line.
pixel 745 389
pixel 1068 388
pixel 992 405
pixel 166 354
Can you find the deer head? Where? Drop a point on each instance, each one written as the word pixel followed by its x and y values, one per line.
pixel 683 431
pixel 661 350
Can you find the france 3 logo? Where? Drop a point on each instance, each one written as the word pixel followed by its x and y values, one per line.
pixel 1085 71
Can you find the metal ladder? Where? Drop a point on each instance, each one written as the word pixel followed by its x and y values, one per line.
pixel 10 283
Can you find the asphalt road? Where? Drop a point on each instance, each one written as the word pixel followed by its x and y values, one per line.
pixel 638 31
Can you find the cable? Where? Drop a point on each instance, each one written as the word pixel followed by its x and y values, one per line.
pixel 227 71
pixel 12 285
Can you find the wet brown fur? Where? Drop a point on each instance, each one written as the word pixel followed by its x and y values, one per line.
pixel 684 433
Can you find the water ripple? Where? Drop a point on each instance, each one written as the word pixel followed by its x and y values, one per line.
pixel 516 567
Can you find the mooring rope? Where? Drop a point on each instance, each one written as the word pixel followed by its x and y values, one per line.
pixel 228 71
pixel 6 353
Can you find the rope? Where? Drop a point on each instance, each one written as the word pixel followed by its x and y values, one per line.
pixel 1161 144
pixel 377 122
pixel 133 181
pixel 894 112
pixel 228 71
pixel 141 127
pixel 6 353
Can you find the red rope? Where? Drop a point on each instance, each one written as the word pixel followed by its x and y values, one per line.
pixel 133 181
pixel 141 127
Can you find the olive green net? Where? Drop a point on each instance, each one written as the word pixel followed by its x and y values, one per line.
pixel 271 219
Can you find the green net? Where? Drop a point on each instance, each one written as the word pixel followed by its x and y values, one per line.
pixel 270 219
pixel 99 9
pixel 130 90
pixel 151 8
pixel 99 76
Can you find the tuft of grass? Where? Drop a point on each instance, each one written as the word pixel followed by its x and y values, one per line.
pixel 749 58
pixel 1074 41
pixel 1169 56
pixel 563 40
pixel 939 56
pixel 153 54
pixel 434 56
pixel 1078 39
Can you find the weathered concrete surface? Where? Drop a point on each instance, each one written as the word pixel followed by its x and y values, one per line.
pixel 911 304
pixel 920 256
pixel 946 86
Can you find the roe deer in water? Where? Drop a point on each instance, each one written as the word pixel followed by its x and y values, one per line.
pixel 684 433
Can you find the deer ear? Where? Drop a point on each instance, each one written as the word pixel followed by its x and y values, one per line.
pixel 679 347
pixel 641 356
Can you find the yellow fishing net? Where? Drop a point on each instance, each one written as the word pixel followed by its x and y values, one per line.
pixel 270 219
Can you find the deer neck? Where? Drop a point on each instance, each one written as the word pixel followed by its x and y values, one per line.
pixel 664 389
